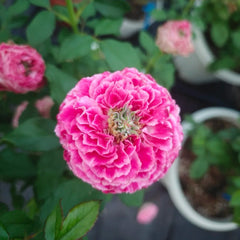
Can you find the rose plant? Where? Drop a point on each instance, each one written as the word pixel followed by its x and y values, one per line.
pixel 63 68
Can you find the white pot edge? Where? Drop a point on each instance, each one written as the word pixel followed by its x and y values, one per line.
pixel 206 57
pixel 172 183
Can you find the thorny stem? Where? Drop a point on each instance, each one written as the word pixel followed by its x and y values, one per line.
pixel 72 16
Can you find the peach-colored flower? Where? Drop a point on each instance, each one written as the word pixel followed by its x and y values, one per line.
pixel 21 68
pixel 120 131
pixel 44 106
pixel 147 213
pixel 175 37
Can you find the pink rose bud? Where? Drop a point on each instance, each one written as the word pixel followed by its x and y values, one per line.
pixel 21 68
pixel 18 112
pixel 147 213
pixel 44 106
pixel 175 37
pixel 120 131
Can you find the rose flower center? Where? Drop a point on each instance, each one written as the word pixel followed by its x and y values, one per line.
pixel 123 123
pixel 27 67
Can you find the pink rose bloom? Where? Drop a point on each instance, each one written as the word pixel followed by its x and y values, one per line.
pixel 44 106
pixel 147 213
pixel 18 112
pixel 120 131
pixel 21 68
pixel 175 37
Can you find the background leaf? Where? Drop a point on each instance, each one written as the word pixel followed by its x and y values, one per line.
pixel 147 42
pixel 40 3
pixel 110 8
pixel 75 46
pixel 15 165
pixel 3 233
pixel 107 27
pixel 41 28
pixel 134 199
pixel 50 168
pixel 36 134
pixel 120 54
pixel 219 33
pixel 60 83
pixel 198 168
pixel 16 223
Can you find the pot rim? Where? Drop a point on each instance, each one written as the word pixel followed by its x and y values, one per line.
pixel 206 57
pixel 172 183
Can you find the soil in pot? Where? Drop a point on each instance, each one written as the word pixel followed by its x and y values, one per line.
pixel 206 195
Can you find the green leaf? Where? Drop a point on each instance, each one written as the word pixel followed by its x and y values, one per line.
pixel 120 54
pixel 79 221
pixel 71 193
pixel 89 11
pixel 198 168
pixel 236 215
pixel 16 223
pixel 3 233
pixel 74 47
pixel 40 3
pixel 147 43
pixel 50 168
pixel 3 208
pixel 53 223
pixel 14 165
pixel 236 38
pixel 36 134
pixel 107 27
pixel 219 33
pixel 235 199
pixel 18 7
pixel 134 199
pixel 226 62
pixel 159 15
pixel 110 8
pixel 41 27
pixel 163 73
pixel 60 83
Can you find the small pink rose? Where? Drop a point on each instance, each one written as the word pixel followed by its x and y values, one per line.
pixel 44 106
pixel 147 213
pixel 21 68
pixel 175 37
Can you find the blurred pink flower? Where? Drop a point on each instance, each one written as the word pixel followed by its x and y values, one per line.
pixel 21 68
pixel 147 213
pixel 175 37
pixel 44 106
pixel 120 131
pixel 18 112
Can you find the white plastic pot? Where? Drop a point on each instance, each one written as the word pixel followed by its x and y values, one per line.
pixel 172 181
pixel 193 69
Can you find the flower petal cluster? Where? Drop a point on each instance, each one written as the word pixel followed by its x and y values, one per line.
pixel 175 37
pixel 120 131
pixel 21 68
